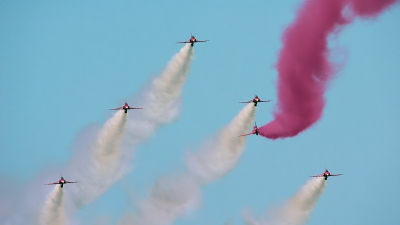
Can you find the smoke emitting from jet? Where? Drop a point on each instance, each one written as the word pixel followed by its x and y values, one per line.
pixel 161 99
pixel 297 210
pixel 161 105
pixel 172 196
pixel 220 155
pixel 53 211
pixel 95 162
pixel 304 69
pixel 98 160
pixel 97 165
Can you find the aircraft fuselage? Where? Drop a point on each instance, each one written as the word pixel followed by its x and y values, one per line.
pixel 125 108
pixel 256 101
pixel 192 41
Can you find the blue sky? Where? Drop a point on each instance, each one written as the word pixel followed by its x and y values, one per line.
pixel 64 64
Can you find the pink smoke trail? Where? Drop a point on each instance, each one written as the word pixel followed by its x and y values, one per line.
pixel 303 65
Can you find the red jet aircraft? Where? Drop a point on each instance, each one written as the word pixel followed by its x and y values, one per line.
pixel 125 107
pixel 62 181
pixel 326 174
pixel 254 131
pixel 192 40
pixel 256 99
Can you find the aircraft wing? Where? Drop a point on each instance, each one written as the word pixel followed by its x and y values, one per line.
pixel 52 183
pixel 247 101
pixel 319 175
pixel 134 108
pixel 265 100
pixel 70 182
pixel 202 41
pixel 183 42
pixel 336 174
pixel 244 134
pixel 119 108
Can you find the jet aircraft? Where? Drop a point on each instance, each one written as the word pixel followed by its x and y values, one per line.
pixel 254 131
pixel 62 181
pixel 192 40
pixel 125 107
pixel 326 174
pixel 256 100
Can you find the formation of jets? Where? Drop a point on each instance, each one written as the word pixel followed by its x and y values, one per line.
pixel 325 174
pixel 62 181
pixel 255 100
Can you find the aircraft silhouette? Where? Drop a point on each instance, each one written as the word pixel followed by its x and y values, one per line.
pixel 256 100
pixel 125 107
pixel 192 40
pixel 62 181
pixel 254 131
pixel 326 174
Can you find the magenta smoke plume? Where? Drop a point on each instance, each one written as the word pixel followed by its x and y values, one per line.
pixel 303 66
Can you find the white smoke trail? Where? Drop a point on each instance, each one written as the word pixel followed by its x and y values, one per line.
pixel 104 165
pixel 219 156
pixel 101 165
pixel 97 167
pixel 173 196
pixel 98 162
pixel 161 100
pixel 53 211
pixel 298 209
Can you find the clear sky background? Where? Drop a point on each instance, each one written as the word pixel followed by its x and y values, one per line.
pixel 64 64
